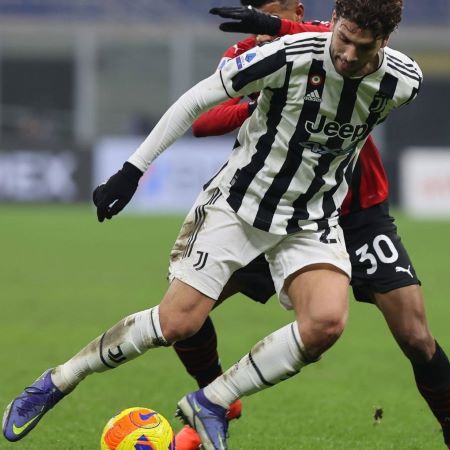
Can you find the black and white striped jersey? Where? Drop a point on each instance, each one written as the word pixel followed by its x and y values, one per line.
pixel 294 156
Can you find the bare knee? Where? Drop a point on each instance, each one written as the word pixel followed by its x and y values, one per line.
pixel 183 311
pixel 179 328
pixel 320 334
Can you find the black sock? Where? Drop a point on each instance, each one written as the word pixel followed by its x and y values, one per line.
pixel 199 354
pixel 433 382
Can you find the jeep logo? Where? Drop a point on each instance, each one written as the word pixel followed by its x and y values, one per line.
pixel 332 129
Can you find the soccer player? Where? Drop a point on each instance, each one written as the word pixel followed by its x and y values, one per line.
pixel 376 252
pixel 279 194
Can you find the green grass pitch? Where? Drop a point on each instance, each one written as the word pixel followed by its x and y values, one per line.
pixel 64 278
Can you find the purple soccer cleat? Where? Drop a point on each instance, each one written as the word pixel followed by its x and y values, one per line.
pixel 28 408
pixel 207 418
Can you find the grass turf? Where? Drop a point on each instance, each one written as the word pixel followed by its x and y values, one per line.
pixel 64 279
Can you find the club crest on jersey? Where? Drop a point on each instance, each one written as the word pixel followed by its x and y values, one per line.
pixel 331 128
pixel 379 103
pixel 243 60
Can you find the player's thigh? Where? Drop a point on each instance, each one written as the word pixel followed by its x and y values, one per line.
pixel 307 249
pixel 183 310
pixel 319 293
pixel 218 243
pixel 380 262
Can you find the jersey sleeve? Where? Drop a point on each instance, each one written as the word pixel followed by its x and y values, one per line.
pixel 408 75
pixel 178 118
pixel 261 67
pixel 416 88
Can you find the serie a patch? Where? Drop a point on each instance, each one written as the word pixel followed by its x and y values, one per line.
pixel 244 60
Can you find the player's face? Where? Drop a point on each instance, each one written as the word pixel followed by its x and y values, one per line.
pixel 354 51
pixel 292 11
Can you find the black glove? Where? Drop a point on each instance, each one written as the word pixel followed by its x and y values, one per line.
pixel 113 195
pixel 250 20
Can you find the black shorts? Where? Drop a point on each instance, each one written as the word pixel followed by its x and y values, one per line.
pixel 254 280
pixel 379 260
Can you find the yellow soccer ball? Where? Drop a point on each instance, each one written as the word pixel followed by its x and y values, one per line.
pixel 138 429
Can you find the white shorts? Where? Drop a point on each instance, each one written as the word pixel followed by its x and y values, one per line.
pixel 214 242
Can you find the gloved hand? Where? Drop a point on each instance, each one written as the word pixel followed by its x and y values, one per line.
pixel 250 20
pixel 113 195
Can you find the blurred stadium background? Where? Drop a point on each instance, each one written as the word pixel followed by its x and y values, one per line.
pixel 81 81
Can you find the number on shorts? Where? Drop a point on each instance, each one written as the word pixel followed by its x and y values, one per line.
pixel 365 255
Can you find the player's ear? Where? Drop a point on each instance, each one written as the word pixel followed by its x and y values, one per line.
pixel 333 20
pixel 300 12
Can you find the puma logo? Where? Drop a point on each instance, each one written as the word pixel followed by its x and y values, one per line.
pixel 402 269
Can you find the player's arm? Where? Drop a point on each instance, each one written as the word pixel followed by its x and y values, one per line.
pixel 250 20
pixel 111 197
pixel 250 72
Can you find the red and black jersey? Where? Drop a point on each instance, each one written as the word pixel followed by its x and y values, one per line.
pixel 369 184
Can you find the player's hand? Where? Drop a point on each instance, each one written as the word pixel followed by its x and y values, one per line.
pixel 250 20
pixel 113 195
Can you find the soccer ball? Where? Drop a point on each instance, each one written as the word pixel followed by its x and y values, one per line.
pixel 138 429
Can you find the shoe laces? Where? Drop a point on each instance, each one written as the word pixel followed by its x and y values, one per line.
pixel 32 398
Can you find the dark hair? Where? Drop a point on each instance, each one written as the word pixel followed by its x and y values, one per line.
pixel 259 3
pixel 254 3
pixel 381 17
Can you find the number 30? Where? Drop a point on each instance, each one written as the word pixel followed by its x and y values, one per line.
pixel 365 255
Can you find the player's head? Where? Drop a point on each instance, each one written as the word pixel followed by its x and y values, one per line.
pixel 360 29
pixel 284 9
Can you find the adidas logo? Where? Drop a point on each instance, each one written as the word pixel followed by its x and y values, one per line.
pixel 313 96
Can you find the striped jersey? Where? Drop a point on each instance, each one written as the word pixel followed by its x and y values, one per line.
pixel 295 155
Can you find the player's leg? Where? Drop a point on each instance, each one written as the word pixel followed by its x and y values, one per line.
pixel 315 276
pixel 384 274
pixel 199 278
pixel 319 296
pixel 404 312
pixel 199 353
pixel 181 312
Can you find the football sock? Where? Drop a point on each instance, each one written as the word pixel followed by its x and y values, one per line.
pixel 433 382
pixel 124 341
pixel 277 357
pixel 199 354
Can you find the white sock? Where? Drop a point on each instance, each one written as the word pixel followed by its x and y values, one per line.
pixel 124 341
pixel 277 357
